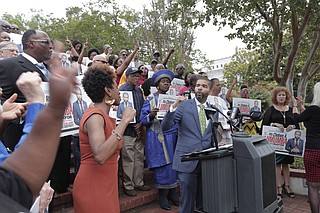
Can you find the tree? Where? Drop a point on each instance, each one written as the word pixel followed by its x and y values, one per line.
pixel 280 24
pixel 102 21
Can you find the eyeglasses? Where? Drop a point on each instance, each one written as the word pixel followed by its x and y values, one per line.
pixel 43 41
pixel 123 54
pixel 11 50
pixel 14 28
pixel 6 26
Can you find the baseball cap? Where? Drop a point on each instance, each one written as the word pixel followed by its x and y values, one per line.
pixel 132 70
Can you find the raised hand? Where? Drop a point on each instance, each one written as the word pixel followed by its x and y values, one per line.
pixel 29 84
pixel 62 82
pixel 179 100
pixel 86 44
pixel 68 42
pixel 128 114
pixel 136 45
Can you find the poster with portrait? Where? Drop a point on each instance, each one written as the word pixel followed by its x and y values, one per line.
pixel 78 104
pixel 246 106
pixel 176 85
pixel 221 105
pixel 164 103
pixel 126 101
pixel 287 143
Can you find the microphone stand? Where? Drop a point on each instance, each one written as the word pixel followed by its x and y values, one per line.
pixel 214 126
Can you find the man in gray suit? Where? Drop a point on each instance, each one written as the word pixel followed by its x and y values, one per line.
pixel 194 135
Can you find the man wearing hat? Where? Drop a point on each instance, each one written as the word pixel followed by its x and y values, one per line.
pixel 160 144
pixel 99 59
pixel 132 151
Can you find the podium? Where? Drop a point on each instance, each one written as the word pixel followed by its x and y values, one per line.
pixel 239 179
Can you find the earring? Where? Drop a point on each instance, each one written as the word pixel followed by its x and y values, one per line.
pixel 109 102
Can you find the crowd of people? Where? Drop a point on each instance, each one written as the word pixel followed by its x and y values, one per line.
pixel 106 151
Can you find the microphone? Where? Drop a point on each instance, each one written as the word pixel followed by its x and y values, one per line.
pixel 234 113
pixel 215 108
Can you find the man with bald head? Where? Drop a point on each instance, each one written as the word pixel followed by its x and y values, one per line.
pixel 5 26
pixel 37 48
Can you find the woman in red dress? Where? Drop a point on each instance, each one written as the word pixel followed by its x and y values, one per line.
pixel 96 184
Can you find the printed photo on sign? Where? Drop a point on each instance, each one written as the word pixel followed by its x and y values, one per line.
pixel 176 84
pixel 247 106
pixel 126 101
pixel 288 143
pixel 164 103
pixel 79 102
pixel 221 105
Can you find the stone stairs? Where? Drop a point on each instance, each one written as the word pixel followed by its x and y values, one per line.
pixel 63 202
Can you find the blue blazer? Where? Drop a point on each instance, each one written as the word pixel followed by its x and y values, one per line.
pixel 190 138
pixel 121 109
pixel 77 114
pixel 290 145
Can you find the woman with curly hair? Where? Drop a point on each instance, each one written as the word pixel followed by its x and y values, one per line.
pixel 96 185
pixel 280 115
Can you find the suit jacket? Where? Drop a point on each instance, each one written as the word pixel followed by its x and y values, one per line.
pixel 291 145
pixel 10 70
pixel 190 138
pixel 121 109
pixel 76 110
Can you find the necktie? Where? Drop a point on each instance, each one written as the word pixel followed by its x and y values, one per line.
pixel 81 107
pixel 202 119
pixel 43 69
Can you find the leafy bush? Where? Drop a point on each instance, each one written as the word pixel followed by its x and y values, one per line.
pixel 298 163
pixel 261 93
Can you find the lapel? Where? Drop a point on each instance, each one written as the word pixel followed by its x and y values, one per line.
pixel 25 63
pixel 194 110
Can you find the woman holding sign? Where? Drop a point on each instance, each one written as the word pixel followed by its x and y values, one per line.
pixel 160 145
pixel 280 115
pixel 311 118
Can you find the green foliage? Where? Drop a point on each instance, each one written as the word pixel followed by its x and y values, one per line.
pixel 285 33
pixel 298 163
pixel 261 93
pixel 103 22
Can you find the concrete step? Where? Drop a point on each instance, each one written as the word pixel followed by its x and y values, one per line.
pixel 64 201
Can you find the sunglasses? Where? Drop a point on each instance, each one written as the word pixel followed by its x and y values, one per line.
pixel 124 54
pixel 43 41
pixel 6 26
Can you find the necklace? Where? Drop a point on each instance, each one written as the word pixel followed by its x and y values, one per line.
pixel 284 116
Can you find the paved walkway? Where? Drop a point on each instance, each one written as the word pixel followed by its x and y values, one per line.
pixel 298 204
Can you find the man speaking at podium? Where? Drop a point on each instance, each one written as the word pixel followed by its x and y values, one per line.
pixel 194 135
